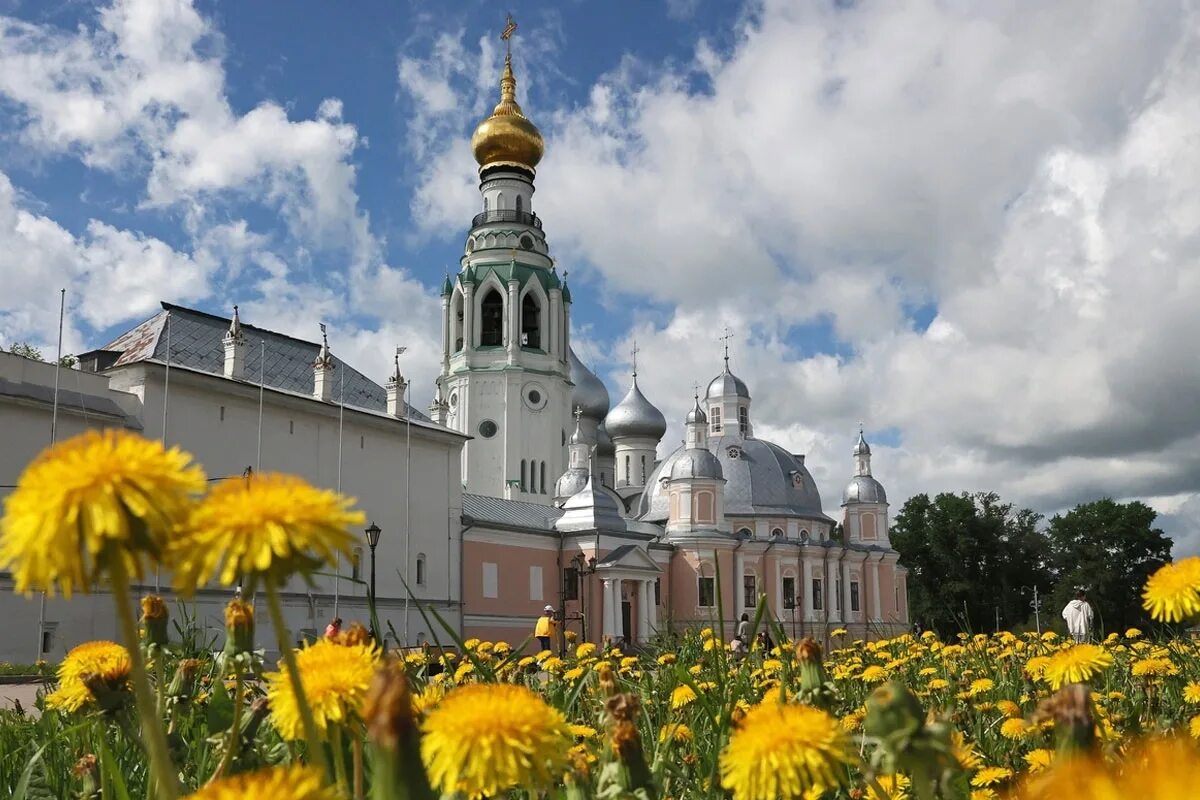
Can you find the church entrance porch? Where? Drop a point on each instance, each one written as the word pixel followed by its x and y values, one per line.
pixel 628 608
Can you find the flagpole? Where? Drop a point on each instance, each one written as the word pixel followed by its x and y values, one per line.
pixel 408 505
pixel 262 382
pixel 62 308
pixel 337 571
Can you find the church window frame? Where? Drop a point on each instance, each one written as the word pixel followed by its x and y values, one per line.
pixel 642 477
pixel 749 590
pixel 520 204
pixel 491 317
pixel 778 533
pixel 705 505
pixel 420 570
pixel 788 588
pixel 706 591
pixel 523 471
pixel 542 479
pixel 743 420
pixel 855 596
pixel 457 306
pixel 627 459
pixel 714 418
pixel 818 594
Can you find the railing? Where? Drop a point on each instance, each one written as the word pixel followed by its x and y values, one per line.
pixel 507 215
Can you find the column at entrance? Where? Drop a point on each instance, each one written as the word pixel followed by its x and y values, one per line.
pixel 645 599
pixel 653 609
pixel 609 627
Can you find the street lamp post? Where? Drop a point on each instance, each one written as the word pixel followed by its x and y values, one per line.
pixel 373 532
pixel 1036 605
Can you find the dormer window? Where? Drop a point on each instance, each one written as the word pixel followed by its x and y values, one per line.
pixel 743 419
pixel 714 417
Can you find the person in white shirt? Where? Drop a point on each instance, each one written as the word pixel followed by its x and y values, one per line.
pixel 1078 615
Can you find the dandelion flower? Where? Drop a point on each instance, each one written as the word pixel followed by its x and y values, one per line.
pixel 682 695
pixel 675 732
pixel 964 752
pixel 981 686
pixel 108 661
pixel 108 492
pixel 1039 760
pixel 1173 592
pixel 896 787
pixel 335 679
pixel 278 783
pixel 990 776
pixel 1153 667
pixel 484 739
pixel 785 751
pixel 1076 664
pixel 271 525
pixel 873 674
pixel 584 650
pixel 1014 728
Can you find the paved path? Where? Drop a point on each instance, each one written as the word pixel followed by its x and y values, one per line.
pixel 25 692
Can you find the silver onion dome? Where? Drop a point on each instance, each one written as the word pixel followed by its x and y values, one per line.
pixel 696 415
pixel 635 416
pixel 589 393
pixel 864 489
pixel 727 384
pixel 861 448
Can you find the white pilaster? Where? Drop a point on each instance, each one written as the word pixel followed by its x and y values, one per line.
pixel 447 345
pixel 552 346
pixel 468 316
pixel 609 627
pixel 739 571
pixel 831 581
pixel 514 322
pixel 653 611
pixel 645 597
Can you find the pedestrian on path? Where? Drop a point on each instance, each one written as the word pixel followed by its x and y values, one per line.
pixel 544 630
pixel 1078 615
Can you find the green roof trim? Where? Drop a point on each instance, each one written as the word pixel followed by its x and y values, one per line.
pixel 508 270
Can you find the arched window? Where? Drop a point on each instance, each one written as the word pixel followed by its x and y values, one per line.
pixel 746 533
pixel 777 533
pixel 531 322
pixel 520 204
pixel 485 203
pixel 743 419
pixel 499 201
pixel 456 322
pixel 642 477
pixel 543 477
pixel 523 484
pixel 491 319
pixel 420 569
pixel 627 480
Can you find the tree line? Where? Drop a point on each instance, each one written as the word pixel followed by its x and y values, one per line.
pixel 974 561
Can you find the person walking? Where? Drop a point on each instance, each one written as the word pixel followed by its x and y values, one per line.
pixel 333 628
pixel 1078 615
pixel 743 630
pixel 544 630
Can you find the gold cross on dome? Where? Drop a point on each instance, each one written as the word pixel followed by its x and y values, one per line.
pixel 510 27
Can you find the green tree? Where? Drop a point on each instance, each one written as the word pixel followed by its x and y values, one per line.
pixel 27 350
pixel 1108 549
pixel 970 557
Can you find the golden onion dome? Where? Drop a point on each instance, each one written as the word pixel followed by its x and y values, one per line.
pixel 507 137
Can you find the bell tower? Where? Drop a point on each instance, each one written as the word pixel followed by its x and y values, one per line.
pixel 505 375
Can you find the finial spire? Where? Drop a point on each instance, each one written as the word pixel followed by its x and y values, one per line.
pixel 728 335
pixel 633 353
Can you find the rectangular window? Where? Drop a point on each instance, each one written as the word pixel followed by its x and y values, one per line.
pixel 818 602
pixel 789 593
pixel 708 592
pixel 743 420
pixel 749 592
pixel 571 583
pixel 222 413
pixel 535 583
pixel 658 591
pixel 489 580
pixel 420 570
pixel 854 596
pixel 837 594
pixel 715 417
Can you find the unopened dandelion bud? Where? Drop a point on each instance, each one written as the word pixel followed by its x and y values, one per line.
pixel 395 736
pixel 154 620
pixel 812 670
pixel 239 628
pixel 356 634
pixel 627 743
pixel 87 772
pixel 608 681
pixel 892 709
pixel 183 683
pixel 623 707
pixel 1074 721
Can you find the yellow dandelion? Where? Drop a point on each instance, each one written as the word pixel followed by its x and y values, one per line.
pixel 682 695
pixel 584 650
pixel 107 660
pixel 873 674
pixel 1173 592
pixel 1153 668
pixel 1036 666
pixel 1076 664
pixel 991 776
pixel 785 751
pixel 896 787
pixel 99 495
pixel 838 632
pixel 983 794
pixel 278 783
pixel 1132 633
pixel 1191 692
pixel 1014 728
pixel 335 679
pixel 485 739
pixel 675 732
pixel 666 659
pixel 937 684
pixel 1008 708
pixel 964 752
pixel 574 674
pixel 1039 760
pixel 271 525
pixel 980 686
pixel 581 731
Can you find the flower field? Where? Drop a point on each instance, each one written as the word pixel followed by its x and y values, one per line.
pixel 157 715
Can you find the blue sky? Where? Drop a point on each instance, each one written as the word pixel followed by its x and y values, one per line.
pixel 967 226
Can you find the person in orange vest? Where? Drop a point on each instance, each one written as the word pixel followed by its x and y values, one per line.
pixel 544 630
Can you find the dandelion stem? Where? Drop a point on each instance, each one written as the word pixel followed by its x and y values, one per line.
pixel 315 747
pixel 339 760
pixel 156 741
pixel 235 733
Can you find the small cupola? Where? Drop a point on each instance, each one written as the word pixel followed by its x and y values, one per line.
pixel 323 368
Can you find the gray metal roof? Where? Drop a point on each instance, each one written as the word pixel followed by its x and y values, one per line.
pixel 864 489
pixel 727 384
pixel 594 507
pixel 696 462
pixel 761 478
pixel 635 416
pixel 195 342
pixel 513 513
pixel 589 393
pixel 68 399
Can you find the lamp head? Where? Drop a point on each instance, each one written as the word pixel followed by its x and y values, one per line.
pixel 373 532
